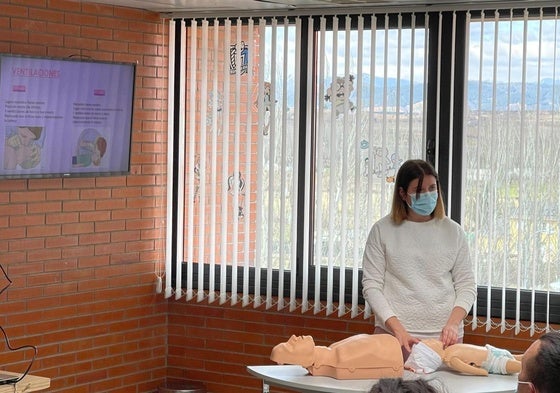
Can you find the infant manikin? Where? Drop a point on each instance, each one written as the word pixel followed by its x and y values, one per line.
pixel 362 356
pixel 428 355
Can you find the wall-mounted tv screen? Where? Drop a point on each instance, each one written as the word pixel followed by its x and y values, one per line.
pixel 64 117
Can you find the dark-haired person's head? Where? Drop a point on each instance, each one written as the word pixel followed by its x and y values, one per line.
pixel 540 366
pixel 411 182
pixel 399 385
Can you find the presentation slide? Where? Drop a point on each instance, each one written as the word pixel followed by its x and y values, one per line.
pixel 64 117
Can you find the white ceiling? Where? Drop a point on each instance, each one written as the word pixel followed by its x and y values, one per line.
pixel 237 5
pixel 202 6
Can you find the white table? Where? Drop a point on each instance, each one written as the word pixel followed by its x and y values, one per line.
pixel 298 379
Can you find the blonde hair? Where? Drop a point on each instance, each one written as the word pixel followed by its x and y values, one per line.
pixel 409 171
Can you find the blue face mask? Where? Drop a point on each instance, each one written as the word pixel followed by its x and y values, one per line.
pixel 424 204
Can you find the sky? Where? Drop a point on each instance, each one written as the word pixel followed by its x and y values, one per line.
pixel 540 41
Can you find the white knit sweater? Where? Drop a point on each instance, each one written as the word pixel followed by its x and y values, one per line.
pixel 417 271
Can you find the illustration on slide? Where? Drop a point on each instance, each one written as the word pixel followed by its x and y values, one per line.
pixel 23 145
pixel 90 149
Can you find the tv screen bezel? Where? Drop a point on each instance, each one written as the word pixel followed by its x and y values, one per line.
pixel 128 137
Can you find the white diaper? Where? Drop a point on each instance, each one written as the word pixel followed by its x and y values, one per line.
pixel 423 359
pixel 496 360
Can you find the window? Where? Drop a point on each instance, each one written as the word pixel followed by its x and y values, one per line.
pixel 288 133
pixel 368 118
pixel 358 120
pixel 511 156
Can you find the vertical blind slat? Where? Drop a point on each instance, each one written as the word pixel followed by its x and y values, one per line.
pixel 307 190
pixel 191 157
pixel 371 130
pixel 522 169
pixel 354 308
pixel 332 177
pixel 503 322
pixel 386 67
pixel 181 167
pixel 344 173
pixel 321 72
pixel 214 163
pixel 170 166
pixel 438 87
pixel 260 197
pixel 449 191
pixel 225 163
pixel 202 160
pixel 248 156
pixel 385 110
pixel 235 175
pixel 425 95
pixel 493 174
pixel 477 158
pixel 537 168
pixel 272 175
pixel 411 108
pixel 399 70
pixel 553 126
pixel 283 260
pixel 295 153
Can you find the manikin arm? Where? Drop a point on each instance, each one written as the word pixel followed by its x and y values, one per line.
pixel 459 365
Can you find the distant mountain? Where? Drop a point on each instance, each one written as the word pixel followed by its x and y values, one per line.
pixel 511 96
pixel 505 96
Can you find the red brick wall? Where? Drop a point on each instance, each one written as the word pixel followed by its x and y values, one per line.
pixel 82 252
pixel 215 344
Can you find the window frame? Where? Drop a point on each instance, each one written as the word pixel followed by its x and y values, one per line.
pixel 446 156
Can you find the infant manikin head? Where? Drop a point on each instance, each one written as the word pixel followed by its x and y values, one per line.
pixel 297 350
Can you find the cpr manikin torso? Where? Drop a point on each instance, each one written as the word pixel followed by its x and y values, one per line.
pixel 473 359
pixel 362 356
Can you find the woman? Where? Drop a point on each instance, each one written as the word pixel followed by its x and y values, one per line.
pixel 418 277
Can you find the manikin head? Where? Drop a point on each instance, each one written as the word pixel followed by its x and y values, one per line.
pixel 297 350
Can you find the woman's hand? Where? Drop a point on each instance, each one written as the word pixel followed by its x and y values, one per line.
pixel 450 332
pixel 401 334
